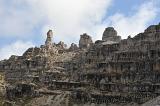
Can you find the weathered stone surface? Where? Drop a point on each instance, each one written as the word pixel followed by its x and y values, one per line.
pixel 48 41
pixel 85 41
pixel 110 71
pixel 110 34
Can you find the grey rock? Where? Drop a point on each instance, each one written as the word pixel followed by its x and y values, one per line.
pixel 110 34
pixel 85 41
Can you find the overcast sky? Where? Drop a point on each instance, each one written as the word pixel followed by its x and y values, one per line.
pixel 24 23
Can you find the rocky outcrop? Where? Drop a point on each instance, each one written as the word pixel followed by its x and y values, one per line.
pixel 153 29
pixel 61 45
pixel 108 72
pixel 110 34
pixel 48 41
pixel 85 41
pixel 73 47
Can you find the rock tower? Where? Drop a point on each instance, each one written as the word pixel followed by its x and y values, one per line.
pixel 85 41
pixel 48 41
pixel 110 34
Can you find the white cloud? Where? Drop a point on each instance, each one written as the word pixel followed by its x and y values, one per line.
pixel 18 18
pixel 69 18
pixel 137 22
pixel 16 48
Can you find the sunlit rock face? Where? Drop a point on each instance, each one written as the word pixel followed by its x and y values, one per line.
pixel 110 34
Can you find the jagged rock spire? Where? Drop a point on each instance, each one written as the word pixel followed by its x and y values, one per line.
pixel 48 41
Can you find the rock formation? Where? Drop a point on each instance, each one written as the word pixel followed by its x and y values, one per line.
pixel 110 72
pixel 48 41
pixel 85 41
pixel 73 47
pixel 110 34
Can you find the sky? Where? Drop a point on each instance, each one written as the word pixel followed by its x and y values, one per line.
pixel 24 23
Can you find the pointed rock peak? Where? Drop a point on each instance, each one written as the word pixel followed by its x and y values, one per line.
pixel 48 41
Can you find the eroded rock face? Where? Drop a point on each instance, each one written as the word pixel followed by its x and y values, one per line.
pixel 85 41
pixel 110 34
pixel 105 72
